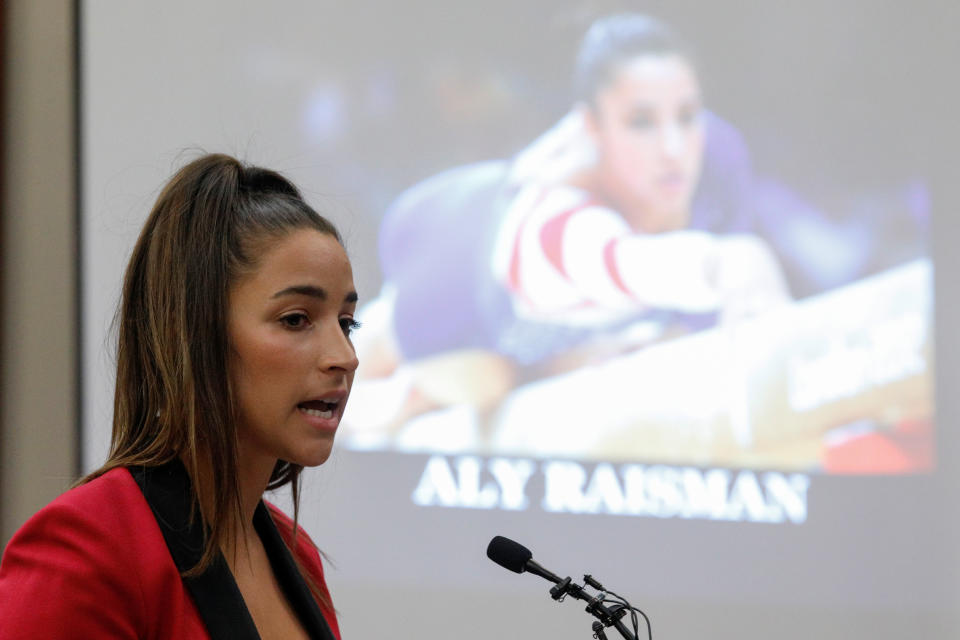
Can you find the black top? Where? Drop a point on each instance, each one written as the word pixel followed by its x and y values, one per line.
pixel 215 592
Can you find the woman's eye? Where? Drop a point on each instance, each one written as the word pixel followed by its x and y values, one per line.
pixel 294 321
pixel 641 118
pixel 348 325
pixel 688 117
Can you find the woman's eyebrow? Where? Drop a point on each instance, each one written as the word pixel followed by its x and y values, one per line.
pixel 313 292
pixel 302 290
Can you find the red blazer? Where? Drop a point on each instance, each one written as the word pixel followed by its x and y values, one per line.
pixel 101 561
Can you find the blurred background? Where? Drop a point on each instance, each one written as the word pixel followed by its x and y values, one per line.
pixel 846 109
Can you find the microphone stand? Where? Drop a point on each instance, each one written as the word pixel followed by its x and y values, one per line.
pixel 598 632
pixel 608 616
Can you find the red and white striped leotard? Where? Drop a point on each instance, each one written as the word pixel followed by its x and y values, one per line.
pixel 568 259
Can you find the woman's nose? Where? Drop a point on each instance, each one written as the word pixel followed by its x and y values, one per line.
pixel 671 141
pixel 337 352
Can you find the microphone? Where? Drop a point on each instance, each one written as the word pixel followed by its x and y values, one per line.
pixel 517 558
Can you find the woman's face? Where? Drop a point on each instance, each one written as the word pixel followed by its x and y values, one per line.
pixel 649 135
pixel 292 361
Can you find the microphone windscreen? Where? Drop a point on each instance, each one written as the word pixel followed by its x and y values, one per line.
pixel 508 554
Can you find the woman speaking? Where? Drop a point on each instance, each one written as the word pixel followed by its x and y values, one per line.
pixel 234 364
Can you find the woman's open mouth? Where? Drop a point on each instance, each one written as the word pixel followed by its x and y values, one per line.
pixel 319 408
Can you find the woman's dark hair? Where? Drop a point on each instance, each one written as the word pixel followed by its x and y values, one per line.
pixel 173 399
pixel 616 39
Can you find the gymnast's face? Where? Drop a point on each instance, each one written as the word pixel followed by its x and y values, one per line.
pixel 649 134
pixel 292 360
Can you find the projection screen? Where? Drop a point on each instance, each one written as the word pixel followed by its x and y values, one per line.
pixel 737 415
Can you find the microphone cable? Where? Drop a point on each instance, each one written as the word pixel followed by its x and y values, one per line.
pixel 620 600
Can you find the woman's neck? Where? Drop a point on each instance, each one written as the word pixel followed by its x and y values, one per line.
pixel 253 476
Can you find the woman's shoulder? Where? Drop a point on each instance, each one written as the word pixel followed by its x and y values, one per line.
pixel 100 526
pixel 81 560
pixel 115 484
pixel 102 519
pixel 105 499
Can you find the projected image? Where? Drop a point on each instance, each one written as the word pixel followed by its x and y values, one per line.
pixel 628 287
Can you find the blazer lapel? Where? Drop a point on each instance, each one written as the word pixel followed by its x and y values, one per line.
pixel 215 593
pixel 290 578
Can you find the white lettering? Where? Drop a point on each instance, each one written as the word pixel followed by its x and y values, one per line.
pixel 848 365
pixel 471 493
pixel 603 494
pixel 658 490
pixel 438 486
pixel 512 476
pixel 706 493
pixel 564 490
pixel 789 493
pixel 746 501
pixel 634 490
pixel 665 499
